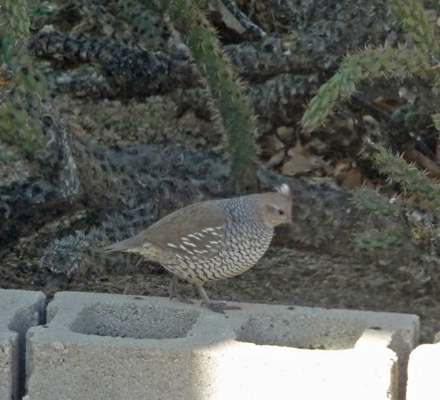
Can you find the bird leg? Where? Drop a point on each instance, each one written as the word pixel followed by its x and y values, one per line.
pixel 216 307
pixel 174 292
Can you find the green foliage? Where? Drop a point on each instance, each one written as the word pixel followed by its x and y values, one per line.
pixel 145 22
pixel 369 64
pixel 412 19
pixel 386 63
pixel 16 18
pixel 17 124
pixel 375 203
pixel 237 118
pixel 379 63
pixel 379 240
pixel 407 175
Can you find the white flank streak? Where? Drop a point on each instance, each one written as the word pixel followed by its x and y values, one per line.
pixel 208 230
pixel 183 248
pixel 178 256
pixel 172 245
pixel 208 246
pixel 213 242
pixel 190 252
pixel 189 243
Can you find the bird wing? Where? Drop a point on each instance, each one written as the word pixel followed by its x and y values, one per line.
pixel 196 231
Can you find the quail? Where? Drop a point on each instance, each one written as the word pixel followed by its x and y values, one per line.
pixel 212 240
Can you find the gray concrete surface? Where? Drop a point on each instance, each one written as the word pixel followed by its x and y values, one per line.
pixel 424 373
pixel 98 346
pixel 19 310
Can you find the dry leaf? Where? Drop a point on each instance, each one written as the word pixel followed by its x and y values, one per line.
pixel 387 105
pixel 272 145
pixel 341 167
pixel 296 165
pixel 276 159
pixel 285 133
pixel 301 161
pixel 353 179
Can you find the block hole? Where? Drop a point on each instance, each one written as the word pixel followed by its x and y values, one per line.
pixel 24 319
pixel 137 321
pixel 301 331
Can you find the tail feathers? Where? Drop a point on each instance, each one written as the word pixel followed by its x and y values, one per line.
pixel 120 246
pixel 134 244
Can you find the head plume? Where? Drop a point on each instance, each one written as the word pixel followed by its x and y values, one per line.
pixel 284 190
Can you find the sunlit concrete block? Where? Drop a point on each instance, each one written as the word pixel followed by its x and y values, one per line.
pixel 99 346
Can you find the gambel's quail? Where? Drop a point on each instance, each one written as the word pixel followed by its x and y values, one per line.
pixel 212 240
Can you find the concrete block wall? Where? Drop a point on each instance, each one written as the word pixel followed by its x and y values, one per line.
pixel 424 372
pixel 19 310
pixel 97 346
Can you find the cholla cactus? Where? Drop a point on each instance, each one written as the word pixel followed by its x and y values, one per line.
pixel 380 240
pixel 16 17
pixel 378 63
pixel 18 122
pixel 375 203
pixel 369 64
pixel 237 118
pixel 412 19
pixel 405 174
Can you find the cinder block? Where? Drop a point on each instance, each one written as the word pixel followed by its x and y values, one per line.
pixel 19 310
pixel 424 372
pixel 99 346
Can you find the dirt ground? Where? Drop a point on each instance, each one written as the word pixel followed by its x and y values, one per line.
pixel 283 276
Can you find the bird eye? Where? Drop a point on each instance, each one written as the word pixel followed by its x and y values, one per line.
pixel 280 212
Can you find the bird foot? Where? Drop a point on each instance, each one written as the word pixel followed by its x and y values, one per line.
pixel 220 307
pixel 174 293
pixel 216 307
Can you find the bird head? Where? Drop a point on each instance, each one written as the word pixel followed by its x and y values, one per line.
pixel 276 208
